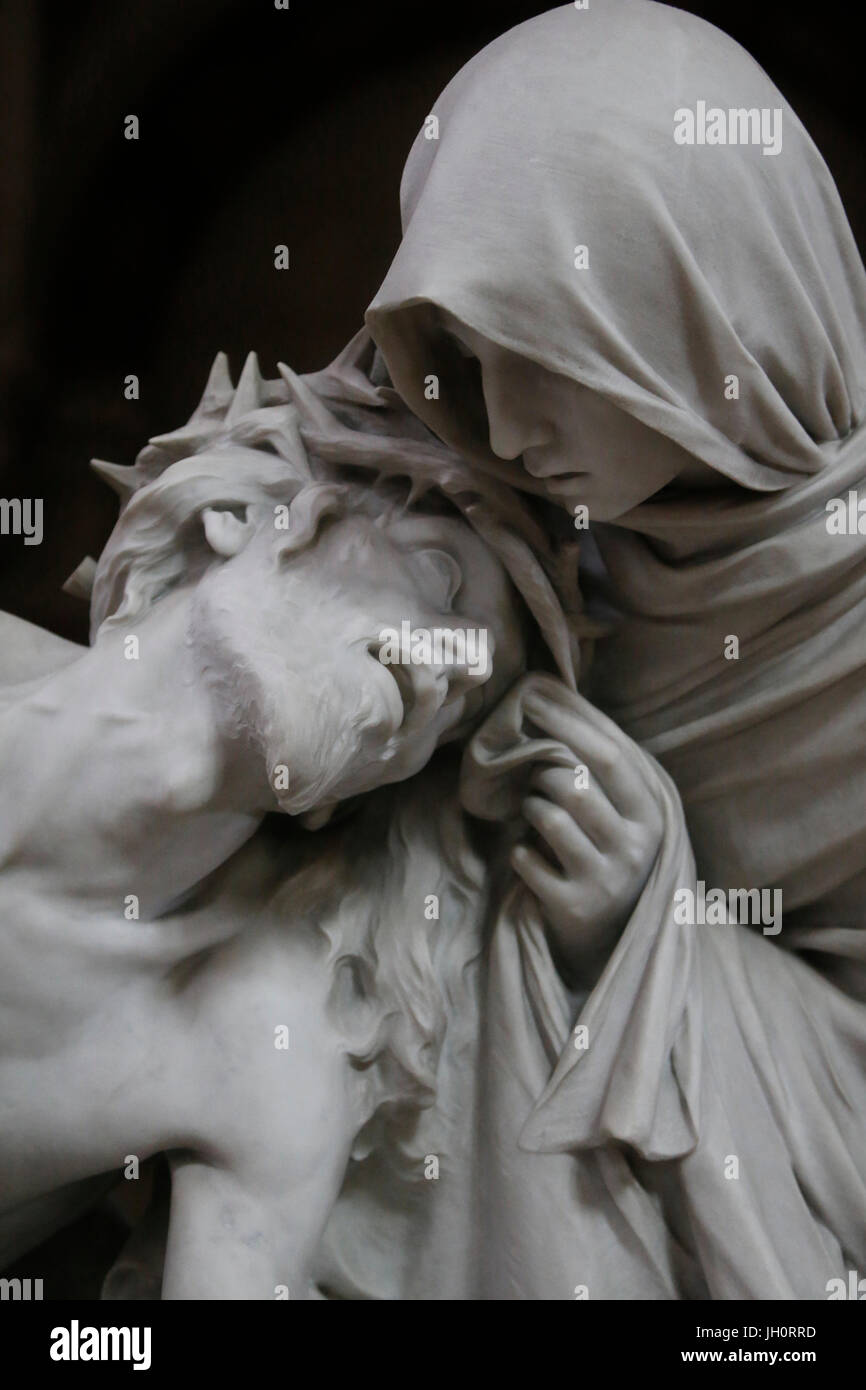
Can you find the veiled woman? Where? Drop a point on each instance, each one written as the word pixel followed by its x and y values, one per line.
pixel 674 335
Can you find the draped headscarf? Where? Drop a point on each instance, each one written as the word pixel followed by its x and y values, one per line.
pixel 706 262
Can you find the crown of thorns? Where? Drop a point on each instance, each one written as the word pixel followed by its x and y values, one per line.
pixel 342 419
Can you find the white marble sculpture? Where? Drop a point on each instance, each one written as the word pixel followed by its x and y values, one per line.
pixel 626 265
pixel 467 1020
pixel 389 1050
pixel 179 983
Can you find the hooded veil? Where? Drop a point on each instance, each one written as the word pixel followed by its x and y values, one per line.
pixel 706 263
pixel 703 261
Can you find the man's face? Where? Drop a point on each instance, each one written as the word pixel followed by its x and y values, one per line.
pixel 292 640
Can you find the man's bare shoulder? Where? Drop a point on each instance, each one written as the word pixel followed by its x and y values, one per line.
pixel 28 652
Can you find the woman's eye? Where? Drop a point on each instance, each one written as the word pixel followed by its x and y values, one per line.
pixel 441 574
pixel 463 350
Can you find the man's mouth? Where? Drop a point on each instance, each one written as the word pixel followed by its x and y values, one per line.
pixel 402 676
pixel 427 693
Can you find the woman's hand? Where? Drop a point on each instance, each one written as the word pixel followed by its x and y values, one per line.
pixel 602 828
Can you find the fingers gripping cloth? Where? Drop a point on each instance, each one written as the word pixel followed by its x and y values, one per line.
pixel 637 1081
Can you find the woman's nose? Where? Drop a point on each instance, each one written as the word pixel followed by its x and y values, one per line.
pixel 510 420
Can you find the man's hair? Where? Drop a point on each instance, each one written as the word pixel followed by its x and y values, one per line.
pixel 346 443
pixel 404 974
pixel 158 542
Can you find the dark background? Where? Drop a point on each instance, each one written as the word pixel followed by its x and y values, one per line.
pixel 258 127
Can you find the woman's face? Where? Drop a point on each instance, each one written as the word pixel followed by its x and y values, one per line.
pixel 581 446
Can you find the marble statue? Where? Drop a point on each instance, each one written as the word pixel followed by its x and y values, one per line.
pixel 179 982
pixel 628 269
pixel 417 927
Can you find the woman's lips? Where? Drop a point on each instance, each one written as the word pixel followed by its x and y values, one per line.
pixel 565 482
pixel 550 474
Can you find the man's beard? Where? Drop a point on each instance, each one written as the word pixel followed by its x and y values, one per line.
pixel 314 728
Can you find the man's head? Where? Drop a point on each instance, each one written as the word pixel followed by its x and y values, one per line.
pixel 288 625
pixel 293 581
pixel 308 520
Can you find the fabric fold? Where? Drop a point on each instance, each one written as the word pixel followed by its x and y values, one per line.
pixel 637 1079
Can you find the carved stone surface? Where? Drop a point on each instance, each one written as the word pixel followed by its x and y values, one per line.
pixel 391 924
